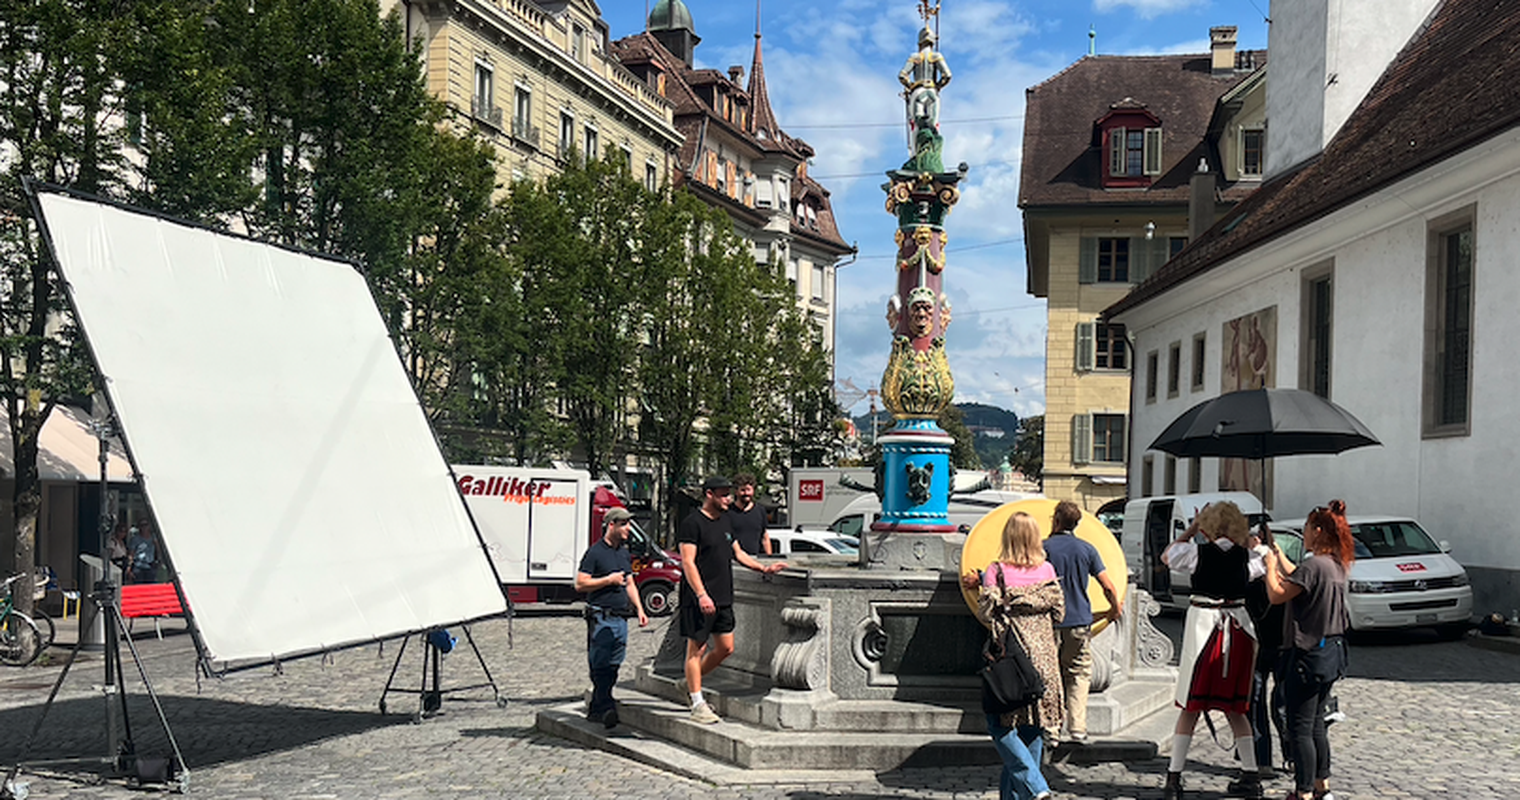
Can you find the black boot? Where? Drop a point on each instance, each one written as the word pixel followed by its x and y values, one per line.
pixel 1173 788
pixel 1248 786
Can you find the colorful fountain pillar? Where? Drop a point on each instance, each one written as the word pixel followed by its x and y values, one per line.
pixel 915 472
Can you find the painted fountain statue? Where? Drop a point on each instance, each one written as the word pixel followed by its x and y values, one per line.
pixel 872 664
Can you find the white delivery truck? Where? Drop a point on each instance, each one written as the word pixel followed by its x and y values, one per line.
pixel 537 523
pixel 815 497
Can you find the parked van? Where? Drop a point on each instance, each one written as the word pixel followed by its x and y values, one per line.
pixel 789 542
pixel 1153 523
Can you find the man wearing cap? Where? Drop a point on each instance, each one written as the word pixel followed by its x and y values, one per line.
pixel 606 575
pixel 708 551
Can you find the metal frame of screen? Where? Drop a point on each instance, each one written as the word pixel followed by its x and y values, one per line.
pixel 300 494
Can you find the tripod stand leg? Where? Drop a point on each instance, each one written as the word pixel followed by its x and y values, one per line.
pixel 85 622
pixel 401 651
pixel 163 720
pixel 501 702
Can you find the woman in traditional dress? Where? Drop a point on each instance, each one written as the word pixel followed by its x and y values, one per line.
pixel 1314 630
pixel 1219 639
pixel 1019 593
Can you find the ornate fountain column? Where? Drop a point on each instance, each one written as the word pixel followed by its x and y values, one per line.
pixel 915 473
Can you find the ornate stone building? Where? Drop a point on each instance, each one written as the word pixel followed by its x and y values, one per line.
pixel 736 157
pixel 537 79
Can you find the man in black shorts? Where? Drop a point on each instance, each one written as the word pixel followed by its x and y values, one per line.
pixel 748 518
pixel 606 575
pixel 708 551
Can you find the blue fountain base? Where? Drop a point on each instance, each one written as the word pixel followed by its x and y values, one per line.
pixel 916 478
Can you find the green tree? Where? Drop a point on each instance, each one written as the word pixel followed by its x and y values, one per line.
pixel 963 452
pixel 1028 453
pixel 56 86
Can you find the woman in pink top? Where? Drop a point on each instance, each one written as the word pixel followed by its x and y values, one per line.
pixel 1027 603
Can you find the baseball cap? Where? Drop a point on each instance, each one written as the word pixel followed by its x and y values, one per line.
pixel 716 482
pixel 618 514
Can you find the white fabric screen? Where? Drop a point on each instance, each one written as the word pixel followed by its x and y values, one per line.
pixel 300 494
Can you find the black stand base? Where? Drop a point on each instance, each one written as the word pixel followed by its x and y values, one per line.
pixel 122 760
pixel 430 697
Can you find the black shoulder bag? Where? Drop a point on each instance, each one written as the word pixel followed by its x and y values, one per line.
pixel 1009 681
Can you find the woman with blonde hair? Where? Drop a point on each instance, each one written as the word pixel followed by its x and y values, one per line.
pixel 1314 628
pixel 1218 640
pixel 1020 595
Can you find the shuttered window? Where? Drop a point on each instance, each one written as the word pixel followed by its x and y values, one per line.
pixel 1152 151
pixel 1081 439
pixel 1116 165
pixel 1085 348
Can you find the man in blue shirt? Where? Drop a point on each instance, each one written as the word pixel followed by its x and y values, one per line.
pixel 1074 561
pixel 606 575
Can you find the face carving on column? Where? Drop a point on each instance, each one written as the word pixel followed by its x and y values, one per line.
pixel 920 318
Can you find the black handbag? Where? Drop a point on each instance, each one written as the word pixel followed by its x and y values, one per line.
pixel 1009 681
pixel 1325 663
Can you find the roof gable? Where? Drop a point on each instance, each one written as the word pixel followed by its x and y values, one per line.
pixel 1450 89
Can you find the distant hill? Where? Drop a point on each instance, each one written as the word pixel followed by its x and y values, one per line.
pixel 983 420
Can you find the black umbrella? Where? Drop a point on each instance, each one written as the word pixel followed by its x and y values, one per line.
pixel 1262 423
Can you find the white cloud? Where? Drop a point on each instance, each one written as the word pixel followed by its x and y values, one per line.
pixel 1148 9
pixel 1180 48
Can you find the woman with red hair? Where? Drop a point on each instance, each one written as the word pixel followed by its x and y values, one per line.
pixel 1314 628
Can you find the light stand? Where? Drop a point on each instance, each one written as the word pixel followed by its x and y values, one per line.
pixel 121 758
pixel 431 699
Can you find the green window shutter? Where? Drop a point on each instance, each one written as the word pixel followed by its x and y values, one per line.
pixel 1116 165
pixel 1153 151
pixel 1086 345
pixel 1087 260
pixel 1081 439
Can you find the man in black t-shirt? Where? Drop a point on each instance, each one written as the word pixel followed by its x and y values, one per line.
pixel 748 518
pixel 606 576
pixel 708 551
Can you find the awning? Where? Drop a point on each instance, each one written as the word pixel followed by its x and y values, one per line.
pixel 1108 480
pixel 67 450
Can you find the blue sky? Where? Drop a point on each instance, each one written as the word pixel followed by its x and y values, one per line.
pixel 831 68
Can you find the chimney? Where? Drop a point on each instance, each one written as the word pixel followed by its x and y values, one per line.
pixel 736 73
pixel 1222 47
pixel 1201 201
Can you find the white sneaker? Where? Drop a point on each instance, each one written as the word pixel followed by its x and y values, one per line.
pixel 702 713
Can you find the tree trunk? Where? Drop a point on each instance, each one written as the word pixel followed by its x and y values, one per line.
pixel 26 500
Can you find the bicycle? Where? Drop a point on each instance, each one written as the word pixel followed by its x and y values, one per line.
pixel 21 641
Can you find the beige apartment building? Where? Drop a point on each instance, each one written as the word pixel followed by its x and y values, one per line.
pixel 536 79
pixel 1112 145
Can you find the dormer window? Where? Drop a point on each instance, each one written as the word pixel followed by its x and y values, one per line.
pixel 1134 153
pixel 1130 139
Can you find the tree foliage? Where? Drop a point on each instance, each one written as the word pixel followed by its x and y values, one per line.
pixel 1028 453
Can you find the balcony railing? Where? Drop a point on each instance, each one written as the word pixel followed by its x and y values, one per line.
pixel 485 112
pixel 525 133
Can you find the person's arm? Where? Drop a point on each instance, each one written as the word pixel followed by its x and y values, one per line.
pixel 694 578
pixel 585 583
pixel 749 561
pixel 638 603
pixel 1279 589
pixel 1115 605
pixel 1186 537
pixel 765 542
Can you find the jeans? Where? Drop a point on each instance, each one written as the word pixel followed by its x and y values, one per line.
pixel 1266 713
pixel 606 643
pixel 1306 728
pixel 1021 751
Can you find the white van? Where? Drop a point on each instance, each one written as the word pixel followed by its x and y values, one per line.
pixel 1152 523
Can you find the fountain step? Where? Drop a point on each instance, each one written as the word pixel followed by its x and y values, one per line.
pixel 734 743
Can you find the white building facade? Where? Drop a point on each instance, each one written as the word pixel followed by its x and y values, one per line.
pixel 1379 275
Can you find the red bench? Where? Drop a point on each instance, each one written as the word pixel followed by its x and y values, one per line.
pixel 156 600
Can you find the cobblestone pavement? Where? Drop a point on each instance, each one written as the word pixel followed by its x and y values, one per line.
pixel 1427 719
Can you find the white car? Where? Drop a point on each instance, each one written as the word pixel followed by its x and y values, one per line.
pixel 1403 579
pixel 786 542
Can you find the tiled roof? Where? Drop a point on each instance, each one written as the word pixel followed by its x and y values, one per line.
pixel 693 117
pixel 1450 89
pixel 1062 154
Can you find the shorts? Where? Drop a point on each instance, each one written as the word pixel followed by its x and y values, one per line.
pixel 697 626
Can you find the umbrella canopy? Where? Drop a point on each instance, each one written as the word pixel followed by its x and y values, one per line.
pixel 1263 423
